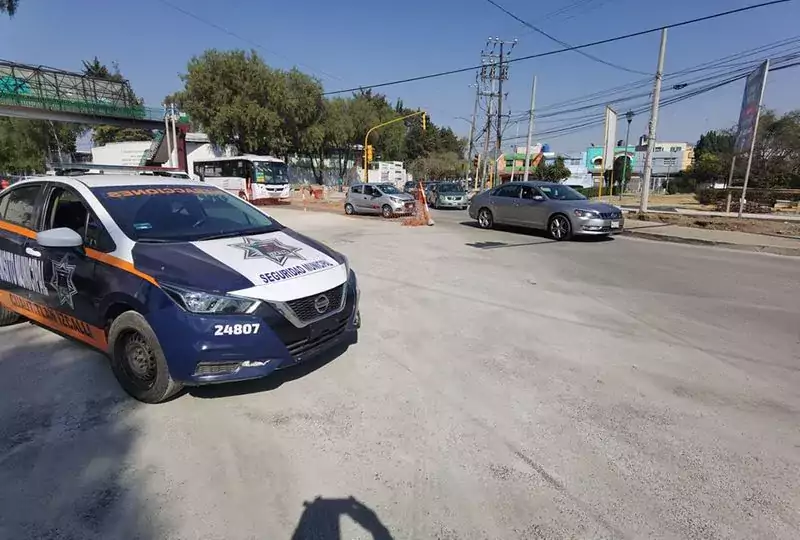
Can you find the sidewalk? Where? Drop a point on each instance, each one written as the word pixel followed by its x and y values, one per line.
pixel 729 239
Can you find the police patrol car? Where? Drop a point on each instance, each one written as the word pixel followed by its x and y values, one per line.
pixel 178 282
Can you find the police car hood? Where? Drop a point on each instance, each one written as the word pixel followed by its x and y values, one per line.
pixel 276 266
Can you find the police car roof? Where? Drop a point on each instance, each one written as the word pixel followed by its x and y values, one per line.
pixel 119 180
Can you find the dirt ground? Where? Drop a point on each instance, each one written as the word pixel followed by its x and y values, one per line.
pixel 680 200
pixel 755 226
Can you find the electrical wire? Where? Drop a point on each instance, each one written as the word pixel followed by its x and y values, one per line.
pixel 562 43
pixel 598 120
pixel 567 49
pixel 241 38
pixel 606 97
pixel 565 9
pixel 647 82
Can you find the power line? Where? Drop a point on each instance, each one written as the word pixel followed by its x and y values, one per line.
pixel 562 43
pixel 568 49
pixel 709 66
pixel 241 38
pixel 596 120
pixel 564 9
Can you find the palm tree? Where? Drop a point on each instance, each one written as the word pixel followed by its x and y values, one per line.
pixel 9 7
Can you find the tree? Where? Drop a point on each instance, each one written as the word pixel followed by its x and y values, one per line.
pixel 552 173
pixel 707 168
pixel 438 166
pixel 107 133
pixel 715 142
pixel 9 7
pixel 623 166
pixel 240 101
pixel 27 145
pixel 776 154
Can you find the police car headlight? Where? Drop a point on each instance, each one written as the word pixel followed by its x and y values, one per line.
pixel 346 264
pixel 202 302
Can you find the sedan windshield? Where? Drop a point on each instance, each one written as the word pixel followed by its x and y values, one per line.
pixel 560 193
pixel 164 213
pixel 389 189
pixel 450 188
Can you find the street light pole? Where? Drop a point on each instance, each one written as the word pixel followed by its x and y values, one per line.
pixel 472 130
pixel 629 118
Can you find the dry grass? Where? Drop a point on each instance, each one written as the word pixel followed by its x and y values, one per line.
pixel 754 226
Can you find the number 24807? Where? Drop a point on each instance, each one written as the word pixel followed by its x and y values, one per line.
pixel 236 329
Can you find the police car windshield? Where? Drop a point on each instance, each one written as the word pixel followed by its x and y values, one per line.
pixel 164 213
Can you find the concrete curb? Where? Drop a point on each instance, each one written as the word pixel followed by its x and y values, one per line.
pixel 788 252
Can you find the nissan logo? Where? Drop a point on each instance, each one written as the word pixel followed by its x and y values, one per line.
pixel 321 303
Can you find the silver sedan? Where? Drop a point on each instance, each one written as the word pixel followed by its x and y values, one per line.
pixel 556 208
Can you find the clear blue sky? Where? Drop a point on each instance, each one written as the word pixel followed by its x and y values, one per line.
pixel 359 42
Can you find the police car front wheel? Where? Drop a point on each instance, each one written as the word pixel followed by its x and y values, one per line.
pixel 7 317
pixel 138 361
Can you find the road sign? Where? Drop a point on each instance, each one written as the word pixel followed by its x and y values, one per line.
pixel 751 104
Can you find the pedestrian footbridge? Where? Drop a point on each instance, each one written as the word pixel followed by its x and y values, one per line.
pixel 42 93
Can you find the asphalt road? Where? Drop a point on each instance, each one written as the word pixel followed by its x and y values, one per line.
pixel 503 386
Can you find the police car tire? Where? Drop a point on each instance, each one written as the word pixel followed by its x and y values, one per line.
pixel 8 317
pixel 163 387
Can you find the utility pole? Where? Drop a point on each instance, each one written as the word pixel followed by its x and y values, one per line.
pixel 651 132
pixel 486 143
pixel 472 131
pixel 530 131
pixel 502 74
pixel 486 80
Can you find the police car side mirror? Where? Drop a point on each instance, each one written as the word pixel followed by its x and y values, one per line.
pixel 61 237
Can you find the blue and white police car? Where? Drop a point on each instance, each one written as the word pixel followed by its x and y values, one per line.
pixel 180 283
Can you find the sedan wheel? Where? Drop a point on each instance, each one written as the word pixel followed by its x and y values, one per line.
pixel 560 228
pixel 485 219
pixel 349 210
pixel 387 211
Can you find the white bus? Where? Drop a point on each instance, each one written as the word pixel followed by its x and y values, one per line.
pixel 255 178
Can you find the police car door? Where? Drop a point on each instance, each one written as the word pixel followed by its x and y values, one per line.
pixel 69 272
pixel 21 270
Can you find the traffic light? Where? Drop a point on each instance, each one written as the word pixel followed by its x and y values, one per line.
pixel 369 152
pixel 476 160
pixel 424 122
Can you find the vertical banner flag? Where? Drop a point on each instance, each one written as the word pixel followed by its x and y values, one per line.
pixel 610 138
pixel 751 105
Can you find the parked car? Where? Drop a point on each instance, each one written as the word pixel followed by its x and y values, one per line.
pixel 448 195
pixel 556 208
pixel 384 199
pixel 179 283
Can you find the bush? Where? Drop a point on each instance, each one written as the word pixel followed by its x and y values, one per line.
pixel 720 197
pixel 709 195
pixel 681 184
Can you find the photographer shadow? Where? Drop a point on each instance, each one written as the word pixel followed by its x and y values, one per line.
pixel 321 520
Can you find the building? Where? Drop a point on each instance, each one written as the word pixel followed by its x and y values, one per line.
pixel 579 172
pixel 388 172
pixel 669 158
